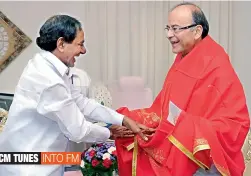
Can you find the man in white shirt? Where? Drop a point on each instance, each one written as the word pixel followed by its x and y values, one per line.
pixel 81 80
pixel 47 110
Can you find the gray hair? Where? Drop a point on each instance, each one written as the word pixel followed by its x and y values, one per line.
pixel 198 16
pixel 55 27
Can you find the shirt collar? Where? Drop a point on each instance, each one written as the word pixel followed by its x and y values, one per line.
pixel 72 72
pixel 56 62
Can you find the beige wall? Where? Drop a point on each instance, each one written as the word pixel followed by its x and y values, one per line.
pixel 241 48
pixel 127 38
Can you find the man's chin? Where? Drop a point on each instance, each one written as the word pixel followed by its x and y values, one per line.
pixel 175 51
pixel 71 65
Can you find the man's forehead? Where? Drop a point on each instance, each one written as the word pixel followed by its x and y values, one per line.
pixel 80 36
pixel 180 15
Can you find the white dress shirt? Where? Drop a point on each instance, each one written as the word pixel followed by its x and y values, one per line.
pixel 81 80
pixel 47 112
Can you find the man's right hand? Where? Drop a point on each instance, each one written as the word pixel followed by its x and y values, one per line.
pixel 120 132
pixel 123 132
pixel 137 128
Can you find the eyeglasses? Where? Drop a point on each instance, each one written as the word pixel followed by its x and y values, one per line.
pixel 177 29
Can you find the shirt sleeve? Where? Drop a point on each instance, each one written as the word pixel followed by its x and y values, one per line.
pixel 94 110
pixel 57 104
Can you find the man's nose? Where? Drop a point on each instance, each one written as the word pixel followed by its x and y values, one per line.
pixel 83 50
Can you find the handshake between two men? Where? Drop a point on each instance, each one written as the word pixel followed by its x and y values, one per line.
pixel 129 129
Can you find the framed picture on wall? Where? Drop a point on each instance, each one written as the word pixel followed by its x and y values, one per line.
pixel 12 41
pixel 6 100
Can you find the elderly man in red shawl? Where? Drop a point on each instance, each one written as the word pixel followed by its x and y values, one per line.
pixel 200 115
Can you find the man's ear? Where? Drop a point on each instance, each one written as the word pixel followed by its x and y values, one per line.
pixel 60 44
pixel 198 32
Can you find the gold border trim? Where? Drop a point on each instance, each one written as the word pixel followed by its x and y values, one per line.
pixel 129 147
pixel 176 143
pixel 200 148
pixel 223 171
pixel 207 167
pixel 189 154
pixel 135 156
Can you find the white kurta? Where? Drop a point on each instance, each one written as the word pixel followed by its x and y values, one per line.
pixel 82 81
pixel 47 112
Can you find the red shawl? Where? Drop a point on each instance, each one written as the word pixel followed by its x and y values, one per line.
pixel 211 128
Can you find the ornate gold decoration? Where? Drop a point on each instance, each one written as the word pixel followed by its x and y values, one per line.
pixel 199 145
pixel 135 157
pixel 184 150
pixel 149 117
pixel 12 41
pixel 3 118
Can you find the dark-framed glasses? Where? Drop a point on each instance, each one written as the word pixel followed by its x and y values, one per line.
pixel 177 29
